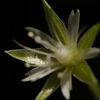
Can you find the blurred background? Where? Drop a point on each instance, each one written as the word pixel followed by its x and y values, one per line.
pixel 19 14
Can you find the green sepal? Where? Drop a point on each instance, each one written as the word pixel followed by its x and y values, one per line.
pixel 84 73
pixel 56 26
pixel 50 86
pixel 88 38
pixel 26 55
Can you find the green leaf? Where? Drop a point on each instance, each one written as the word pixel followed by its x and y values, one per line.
pixel 89 36
pixel 27 56
pixel 50 86
pixel 83 73
pixel 56 26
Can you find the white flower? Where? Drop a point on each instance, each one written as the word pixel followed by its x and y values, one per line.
pixel 62 55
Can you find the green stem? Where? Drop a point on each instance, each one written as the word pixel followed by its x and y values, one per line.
pixel 95 89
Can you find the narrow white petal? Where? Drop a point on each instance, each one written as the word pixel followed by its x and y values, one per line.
pixel 40 69
pixel 66 90
pixel 39 73
pixel 35 70
pixel 70 83
pixel 92 52
pixel 66 84
pixel 73 25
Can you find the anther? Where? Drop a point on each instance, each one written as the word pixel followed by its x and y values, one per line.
pixel 30 34
pixel 27 65
pixel 38 39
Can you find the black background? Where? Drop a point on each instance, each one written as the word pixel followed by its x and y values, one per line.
pixel 17 15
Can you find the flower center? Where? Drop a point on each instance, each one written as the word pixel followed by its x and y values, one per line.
pixel 67 56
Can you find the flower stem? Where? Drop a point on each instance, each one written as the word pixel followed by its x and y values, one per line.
pixel 95 89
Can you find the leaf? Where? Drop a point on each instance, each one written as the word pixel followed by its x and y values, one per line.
pixel 83 73
pixel 87 40
pixel 27 56
pixel 56 26
pixel 50 86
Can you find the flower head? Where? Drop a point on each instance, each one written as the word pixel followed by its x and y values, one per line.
pixel 63 55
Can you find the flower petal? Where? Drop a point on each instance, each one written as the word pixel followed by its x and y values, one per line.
pixel 83 73
pixel 66 84
pixel 73 25
pixel 42 38
pixel 38 73
pixel 37 69
pixel 87 40
pixel 92 52
pixel 28 56
pixel 56 26
pixel 50 86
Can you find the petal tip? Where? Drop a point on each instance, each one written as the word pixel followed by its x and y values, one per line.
pixel 28 28
pixel 25 80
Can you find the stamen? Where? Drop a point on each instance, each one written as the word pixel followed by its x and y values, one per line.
pixel 48 45
pixel 34 50
pixel 28 65
pixel 42 38
pixel 45 43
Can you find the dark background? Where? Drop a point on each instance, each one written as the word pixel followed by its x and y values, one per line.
pixel 17 15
